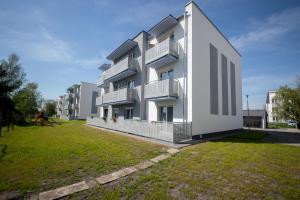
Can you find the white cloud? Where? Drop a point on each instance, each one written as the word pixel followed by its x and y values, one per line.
pixel 41 45
pixel 269 29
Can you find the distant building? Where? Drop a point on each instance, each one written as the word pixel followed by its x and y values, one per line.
pixel 59 106
pixel 255 118
pixel 79 102
pixel 270 107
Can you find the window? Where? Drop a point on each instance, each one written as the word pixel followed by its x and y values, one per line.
pixel 166 114
pixel 115 113
pixel 273 100
pixel 132 55
pixel 128 113
pixel 130 84
pixel 105 112
pixel 167 75
pixel 172 36
pixel 273 118
pixel 116 87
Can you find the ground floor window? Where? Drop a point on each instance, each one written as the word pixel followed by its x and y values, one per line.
pixel 115 113
pixel 105 112
pixel 166 113
pixel 128 113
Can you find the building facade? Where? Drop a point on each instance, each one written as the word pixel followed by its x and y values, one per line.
pixel 59 106
pixel 180 79
pixel 79 102
pixel 270 107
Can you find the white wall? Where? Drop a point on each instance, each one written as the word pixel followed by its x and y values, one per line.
pixel 200 34
pixel 85 100
pixel 177 66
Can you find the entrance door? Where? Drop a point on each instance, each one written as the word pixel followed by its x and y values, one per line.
pixel 166 113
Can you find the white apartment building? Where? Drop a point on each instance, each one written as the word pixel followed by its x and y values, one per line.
pixel 179 80
pixel 59 106
pixel 270 106
pixel 79 102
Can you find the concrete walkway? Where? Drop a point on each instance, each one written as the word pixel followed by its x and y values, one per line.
pixel 104 179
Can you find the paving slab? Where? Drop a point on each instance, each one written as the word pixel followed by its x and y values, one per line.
pixel 160 158
pixel 144 165
pixel 116 175
pixel 106 179
pixel 172 151
pixel 63 191
pixel 92 183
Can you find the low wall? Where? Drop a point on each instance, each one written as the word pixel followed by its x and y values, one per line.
pixel 166 131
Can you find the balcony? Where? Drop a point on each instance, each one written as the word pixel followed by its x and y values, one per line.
pixel 122 69
pixel 66 107
pixel 122 96
pixel 162 54
pixel 101 82
pixel 162 90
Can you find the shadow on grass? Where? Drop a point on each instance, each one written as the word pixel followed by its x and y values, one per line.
pixel 263 137
pixel 252 137
pixel 50 123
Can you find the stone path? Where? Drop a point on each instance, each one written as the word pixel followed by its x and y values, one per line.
pixel 85 185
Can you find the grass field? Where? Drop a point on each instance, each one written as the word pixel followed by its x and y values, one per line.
pixel 239 167
pixel 41 158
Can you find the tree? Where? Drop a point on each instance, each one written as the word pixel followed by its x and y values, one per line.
pixel 12 77
pixel 50 108
pixel 288 104
pixel 28 100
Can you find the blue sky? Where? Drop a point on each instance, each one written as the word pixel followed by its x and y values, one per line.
pixel 64 42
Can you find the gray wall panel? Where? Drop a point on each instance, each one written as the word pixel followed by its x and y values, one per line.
pixel 233 88
pixel 94 107
pixel 224 85
pixel 214 105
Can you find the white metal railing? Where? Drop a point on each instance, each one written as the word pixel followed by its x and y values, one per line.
pixel 100 80
pixel 122 95
pixel 167 46
pixel 126 63
pixel 161 88
pixel 166 131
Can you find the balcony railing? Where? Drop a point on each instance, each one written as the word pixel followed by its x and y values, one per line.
pixel 162 89
pixel 120 70
pixel 100 80
pixel 167 131
pixel 162 53
pixel 66 107
pixel 122 96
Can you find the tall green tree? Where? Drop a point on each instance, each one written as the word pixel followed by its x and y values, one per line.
pixel 288 103
pixel 12 77
pixel 28 100
pixel 50 108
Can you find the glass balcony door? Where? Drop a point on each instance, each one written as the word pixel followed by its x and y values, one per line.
pixel 166 113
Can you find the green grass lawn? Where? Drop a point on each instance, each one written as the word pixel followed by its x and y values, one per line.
pixel 279 125
pixel 41 158
pixel 240 167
